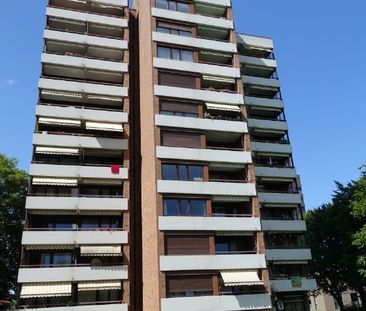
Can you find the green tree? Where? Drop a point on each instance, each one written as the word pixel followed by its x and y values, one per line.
pixel 331 229
pixel 13 187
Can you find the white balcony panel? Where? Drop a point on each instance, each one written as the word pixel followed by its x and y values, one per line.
pixel 96 64
pixel 222 71
pixel 193 18
pixel 123 3
pixel 255 41
pixel 279 198
pixel 209 155
pixel 284 225
pixel 201 124
pixel 193 94
pixel 271 147
pixel 87 237
pixel 288 254
pixel 212 262
pixel 85 39
pixel 76 204
pixel 268 125
pixel 194 42
pixel 87 17
pixel 208 188
pixel 71 171
pixel 226 3
pixel 260 62
pixel 275 172
pixel 36 275
pixel 261 81
pixel 167 223
pixel 107 307
pixel 81 87
pixel 264 102
pixel 286 286
pixel 81 114
pixel 45 139
pixel 218 303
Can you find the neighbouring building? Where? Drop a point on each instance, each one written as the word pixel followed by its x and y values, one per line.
pixel 320 301
pixel 162 175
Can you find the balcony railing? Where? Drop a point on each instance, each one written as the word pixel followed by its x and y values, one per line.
pixel 236 252
pixel 69 304
pixel 239 181
pixel 232 215
pixel 271 141
pixel 76 229
pixel 81 107
pixel 70 195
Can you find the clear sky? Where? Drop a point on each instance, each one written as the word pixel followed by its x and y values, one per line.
pixel 319 47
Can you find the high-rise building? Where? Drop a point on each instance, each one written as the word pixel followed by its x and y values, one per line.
pixel 162 174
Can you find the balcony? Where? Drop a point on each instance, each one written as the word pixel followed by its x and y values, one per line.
pixel 206 188
pixel 218 303
pixel 202 95
pixel 44 237
pixel 80 113
pixel 283 225
pixel 78 141
pixel 263 102
pixel 265 64
pixel 201 124
pixel 73 274
pixel 192 18
pixel 282 147
pixel 199 43
pixel 75 204
pixel 70 171
pixel 261 82
pixel 201 68
pixel 275 172
pixel 212 262
pixel 224 3
pixel 222 224
pixel 96 307
pixel 255 41
pixel 268 125
pixel 289 254
pixel 305 285
pixel 50 85
pixel 207 155
pixel 279 198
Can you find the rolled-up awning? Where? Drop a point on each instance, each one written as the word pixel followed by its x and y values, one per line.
pixel 57 150
pixel 291 262
pixel 100 251
pixel 99 285
pixel 110 127
pixel 49 246
pixel 70 182
pixel 62 94
pixel 229 198
pixel 227 164
pixel 68 21
pixel 218 79
pixel 33 290
pixel 231 108
pixel 106 98
pixel 240 277
pixel 100 181
pixel 56 121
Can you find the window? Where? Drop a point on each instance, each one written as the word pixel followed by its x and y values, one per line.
pixel 173 31
pixel 181 139
pixel 177 54
pixel 182 172
pixel 187 245
pixel 179 109
pixel 178 80
pixel 48 259
pixel 99 295
pixel 172 5
pixel 189 286
pixel 182 207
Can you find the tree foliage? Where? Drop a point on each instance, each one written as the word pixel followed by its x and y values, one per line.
pixel 331 234
pixel 13 186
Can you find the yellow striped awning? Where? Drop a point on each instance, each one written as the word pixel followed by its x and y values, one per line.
pixel 58 121
pixel 110 127
pixel 57 150
pixel 33 290
pixel 100 250
pixel 70 182
pixel 240 277
pixel 229 198
pixel 220 107
pixel 99 285
pixel 218 79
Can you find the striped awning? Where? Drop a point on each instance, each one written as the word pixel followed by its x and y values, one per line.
pixel 68 21
pixel 62 94
pixel 227 164
pixel 240 277
pixel 57 150
pixel 99 285
pixel 99 181
pixel 215 54
pixel 229 198
pixel 49 246
pixel 106 98
pixel 100 251
pixel 33 290
pixel 110 127
pixel 56 121
pixel 220 107
pixel 70 182
pixel 291 262
pixel 218 79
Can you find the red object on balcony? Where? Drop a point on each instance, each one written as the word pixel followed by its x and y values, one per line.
pixel 115 169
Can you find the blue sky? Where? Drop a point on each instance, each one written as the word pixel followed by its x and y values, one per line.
pixel 319 47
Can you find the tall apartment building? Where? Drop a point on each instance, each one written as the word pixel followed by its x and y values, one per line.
pixel 162 176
